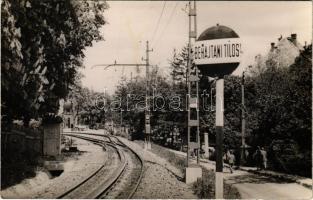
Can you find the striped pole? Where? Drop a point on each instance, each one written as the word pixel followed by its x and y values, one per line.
pixel 219 124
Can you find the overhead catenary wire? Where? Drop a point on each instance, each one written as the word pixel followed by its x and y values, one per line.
pixel 168 22
pixel 158 23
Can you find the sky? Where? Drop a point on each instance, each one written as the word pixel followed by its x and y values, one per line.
pixel 132 23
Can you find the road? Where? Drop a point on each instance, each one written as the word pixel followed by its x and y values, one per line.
pixel 255 186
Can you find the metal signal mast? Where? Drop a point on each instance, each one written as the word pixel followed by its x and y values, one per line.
pixel 192 173
pixel 147 111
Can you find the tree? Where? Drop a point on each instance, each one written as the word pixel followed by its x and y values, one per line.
pixel 11 58
pixel 53 35
pixel 179 66
pixel 282 108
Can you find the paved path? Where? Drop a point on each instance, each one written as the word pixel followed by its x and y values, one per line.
pixel 254 186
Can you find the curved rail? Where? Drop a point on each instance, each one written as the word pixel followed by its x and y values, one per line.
pixel 109 184
pixel 105 185
pixel 96 134
pixel 81 183
pixel 113 144
pixel 141 172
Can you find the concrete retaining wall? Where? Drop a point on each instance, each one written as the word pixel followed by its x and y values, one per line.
pixel 52 140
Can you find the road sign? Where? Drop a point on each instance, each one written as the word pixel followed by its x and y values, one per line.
pixel 218 51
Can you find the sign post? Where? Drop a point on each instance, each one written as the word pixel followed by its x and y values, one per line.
pixel 219 126
pixel 218 53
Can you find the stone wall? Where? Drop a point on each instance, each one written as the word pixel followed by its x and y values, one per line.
pixel 22 139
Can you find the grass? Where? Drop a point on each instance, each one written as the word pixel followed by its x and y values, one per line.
pixel 204 188
pixel 177 161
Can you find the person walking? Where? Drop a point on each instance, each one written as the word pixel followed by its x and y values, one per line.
pixel 264 159
pixel 231 160
pixel 257 157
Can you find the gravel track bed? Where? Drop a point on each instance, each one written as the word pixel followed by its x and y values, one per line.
pixel 101 176
pixel 161 180
pixel 127 181
pixel 152 158
pixel 76 169
pixel 158 183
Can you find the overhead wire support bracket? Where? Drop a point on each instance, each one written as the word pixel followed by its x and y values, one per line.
pixel 106 66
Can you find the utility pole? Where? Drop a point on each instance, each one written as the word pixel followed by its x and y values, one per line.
pixel 193 110
pixel 243 120
pixel 192 173
pixel 147 112
pixel 122 129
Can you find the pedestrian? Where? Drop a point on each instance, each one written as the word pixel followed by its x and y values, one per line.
pixel 264 159
pixel 225 156
pixel 257 157
pixel 231 160
pixel 246 154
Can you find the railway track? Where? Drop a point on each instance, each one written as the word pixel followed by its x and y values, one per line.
pixel 107 136
pixel 116 178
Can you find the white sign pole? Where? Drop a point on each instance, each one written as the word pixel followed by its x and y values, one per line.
pixel 219 123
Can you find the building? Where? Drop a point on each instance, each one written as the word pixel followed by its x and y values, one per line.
pixel 70 115
pixel 281 54
pixel 286 51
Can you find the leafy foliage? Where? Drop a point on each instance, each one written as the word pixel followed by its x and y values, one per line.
pixel 43 43
pixel 89 105
pixel 179 65
pixel 282 110
pixel 277 109
pixel 51 119
pixel 204 188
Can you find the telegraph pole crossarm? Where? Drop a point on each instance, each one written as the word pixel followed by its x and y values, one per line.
pixel 117 65
pixel 147 112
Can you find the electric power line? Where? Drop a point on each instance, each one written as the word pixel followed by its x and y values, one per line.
pixel 158 23
pixel 168 22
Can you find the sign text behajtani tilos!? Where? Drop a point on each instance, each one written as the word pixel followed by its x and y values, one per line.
pixel 218 51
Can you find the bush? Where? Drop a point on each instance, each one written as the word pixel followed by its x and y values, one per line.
pixel 137 135
pixel 51 119
pixel 285 156
pixel 16 166
pixel 205 188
